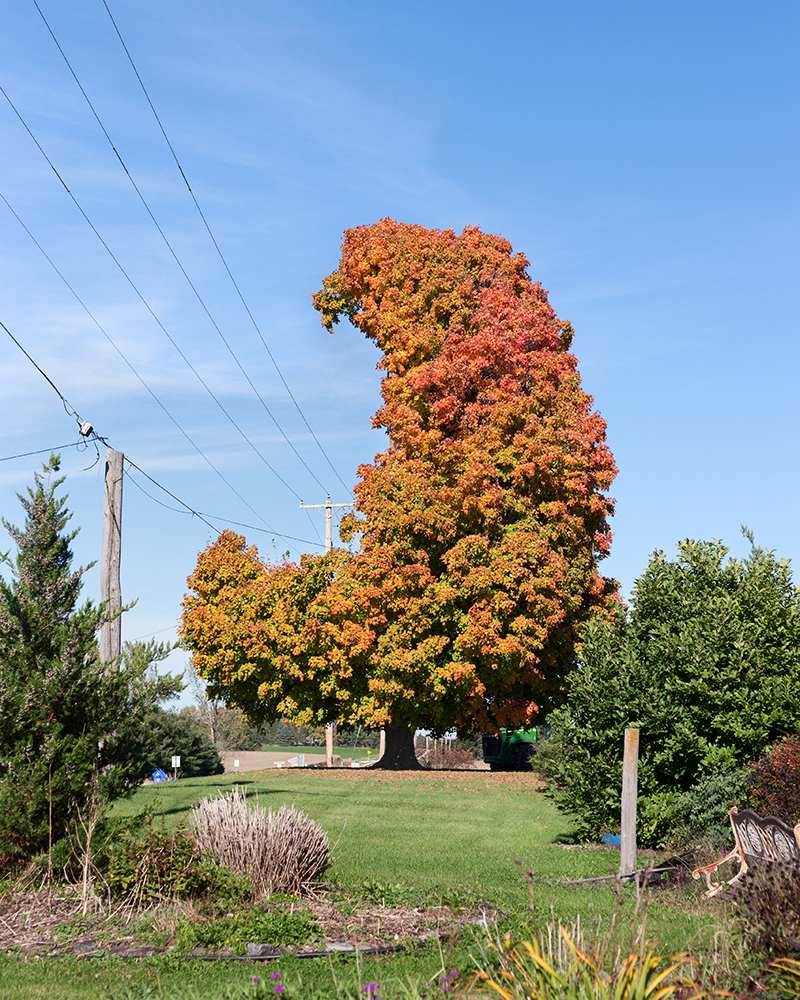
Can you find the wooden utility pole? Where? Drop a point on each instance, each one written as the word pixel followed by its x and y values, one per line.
pixel 330 729
pixel 630 781
pixel 110 590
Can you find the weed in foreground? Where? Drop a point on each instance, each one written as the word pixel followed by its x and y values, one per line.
pixel 524 971
pixel 768 909
pixel 558 965
pixel 785 977
pixel 233 933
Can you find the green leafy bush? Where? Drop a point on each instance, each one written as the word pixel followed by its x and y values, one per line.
pixel 151 864
pixel 704 664
pixel 164 734
pixel 278 927
pixel 703 813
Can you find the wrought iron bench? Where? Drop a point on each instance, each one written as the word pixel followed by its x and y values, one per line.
pixel 756 840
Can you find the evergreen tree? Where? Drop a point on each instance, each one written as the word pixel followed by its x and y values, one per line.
pixel 65 718
pixel 163 735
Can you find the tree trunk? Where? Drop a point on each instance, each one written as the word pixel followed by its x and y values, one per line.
pixel 399 754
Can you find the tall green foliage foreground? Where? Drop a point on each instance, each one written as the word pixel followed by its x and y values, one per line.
pixel 66 720
pixel 706 664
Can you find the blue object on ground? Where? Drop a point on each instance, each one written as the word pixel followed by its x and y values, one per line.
pixel 611 840
pixel 158 775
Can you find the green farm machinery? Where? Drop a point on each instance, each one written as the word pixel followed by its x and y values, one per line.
pixel 510 749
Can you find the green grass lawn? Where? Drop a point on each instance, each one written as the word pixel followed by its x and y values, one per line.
pixel 454 835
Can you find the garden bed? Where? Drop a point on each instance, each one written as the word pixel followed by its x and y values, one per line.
pixel 53 925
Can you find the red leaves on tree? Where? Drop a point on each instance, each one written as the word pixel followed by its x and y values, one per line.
pixel 480 526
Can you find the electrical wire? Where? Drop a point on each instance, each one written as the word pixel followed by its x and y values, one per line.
pixel 149 635
pixel 219 249
pixel 201 514
pixel 69 409
pixel 171 249
pixel 108 337
pixel 42 451
pixel 143 300
pixel 96 437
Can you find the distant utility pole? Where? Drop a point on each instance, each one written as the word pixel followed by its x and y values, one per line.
pixel 110 590
pixel 329 508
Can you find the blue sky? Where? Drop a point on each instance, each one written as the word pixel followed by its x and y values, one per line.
pixel 643 156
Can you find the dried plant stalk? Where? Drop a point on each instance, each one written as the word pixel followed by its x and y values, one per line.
pixel 282 851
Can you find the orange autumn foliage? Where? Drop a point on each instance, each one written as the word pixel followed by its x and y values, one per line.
pixel 480 527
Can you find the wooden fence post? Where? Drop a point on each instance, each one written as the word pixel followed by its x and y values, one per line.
pixel 630 778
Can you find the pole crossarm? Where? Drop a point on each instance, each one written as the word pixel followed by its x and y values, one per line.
pixel 328 507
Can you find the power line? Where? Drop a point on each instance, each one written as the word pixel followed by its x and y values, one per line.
pixel 219 250
pixel 169 246
pixel 108 337
pixel 41 451
pixel 189 510
pixel 202 515
pixel 149 635
pixel 86 430
pixel 70 410
pixel 143 299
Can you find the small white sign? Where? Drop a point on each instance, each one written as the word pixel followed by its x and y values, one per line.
pixel 176 762
pixel 236 763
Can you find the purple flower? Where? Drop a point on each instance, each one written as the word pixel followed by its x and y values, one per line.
pixel 279 988
pixel 255 979
pixel 371 989
pixel 275 975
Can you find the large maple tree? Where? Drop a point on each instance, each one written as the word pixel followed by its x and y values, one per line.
pixel 479 529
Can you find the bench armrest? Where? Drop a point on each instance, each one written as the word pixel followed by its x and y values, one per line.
pixel 708 870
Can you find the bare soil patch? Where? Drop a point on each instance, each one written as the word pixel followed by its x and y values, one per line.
pixel 52 924
pixel 257 760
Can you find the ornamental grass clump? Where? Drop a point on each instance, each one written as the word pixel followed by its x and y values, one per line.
pixel 282 851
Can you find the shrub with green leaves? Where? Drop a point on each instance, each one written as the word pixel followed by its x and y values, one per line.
pixel 704 663
pixel 703 813
pixel 151 864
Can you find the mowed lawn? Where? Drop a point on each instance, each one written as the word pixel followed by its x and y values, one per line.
pixel 454 835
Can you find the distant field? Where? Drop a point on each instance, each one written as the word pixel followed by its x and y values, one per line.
pixel 356 753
